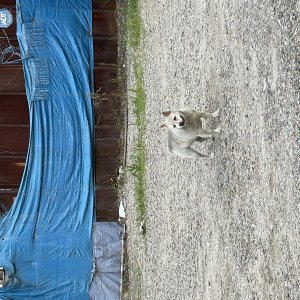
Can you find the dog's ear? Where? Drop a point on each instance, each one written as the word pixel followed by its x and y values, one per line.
pixel 166 113
pixel 163 125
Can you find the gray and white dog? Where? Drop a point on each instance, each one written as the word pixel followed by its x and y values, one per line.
pixel 186 128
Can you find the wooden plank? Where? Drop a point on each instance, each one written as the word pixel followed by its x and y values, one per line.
pixel 106 79
pixel 13 109
pixel 107 131
pixel 9 3
pixel 104 4
pixel 14 140
pixel 106 171
pixel 107 102
pixel 107 208
pixel 107 148
pixel 103 119
pixel 104 24
pixel 12 79
pixel 11 171
pixel 105 51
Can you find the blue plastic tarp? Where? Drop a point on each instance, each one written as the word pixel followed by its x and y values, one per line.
pixel 46 237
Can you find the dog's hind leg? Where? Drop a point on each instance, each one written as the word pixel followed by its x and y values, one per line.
pixel 206 133
pixel 201 139
pixel 203 114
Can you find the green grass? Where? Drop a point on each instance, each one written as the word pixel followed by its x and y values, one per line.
pixel 134 24
pixel 134 31
pixel 139 101
pixel 137 284
pixel 138 165
pixel 133 34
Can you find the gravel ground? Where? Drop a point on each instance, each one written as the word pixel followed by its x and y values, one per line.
pixel 229 227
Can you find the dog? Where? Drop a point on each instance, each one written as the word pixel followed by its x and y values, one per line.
pixel 185 128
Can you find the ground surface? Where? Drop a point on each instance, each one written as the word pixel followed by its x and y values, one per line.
pixel 229 227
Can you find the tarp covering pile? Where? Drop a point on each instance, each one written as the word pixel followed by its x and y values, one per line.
pixel 107 241
pixel 46 237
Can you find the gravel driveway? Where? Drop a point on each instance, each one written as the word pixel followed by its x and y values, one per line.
pixel 229 227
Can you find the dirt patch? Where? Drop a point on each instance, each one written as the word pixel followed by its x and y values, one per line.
pixel 226 228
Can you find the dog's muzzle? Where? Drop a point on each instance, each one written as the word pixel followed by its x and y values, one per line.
pixel 182 122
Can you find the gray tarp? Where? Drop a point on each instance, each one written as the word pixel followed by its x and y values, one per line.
pixel 107 250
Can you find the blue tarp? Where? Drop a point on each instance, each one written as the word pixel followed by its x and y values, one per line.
pixel 45 239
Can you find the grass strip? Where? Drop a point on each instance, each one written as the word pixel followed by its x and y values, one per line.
pixel 138 167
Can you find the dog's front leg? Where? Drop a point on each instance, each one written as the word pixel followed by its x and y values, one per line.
pixel 203 138
pixel 206 133
pixel 190 153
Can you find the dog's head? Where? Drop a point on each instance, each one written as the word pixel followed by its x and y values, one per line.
pixel 174 119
